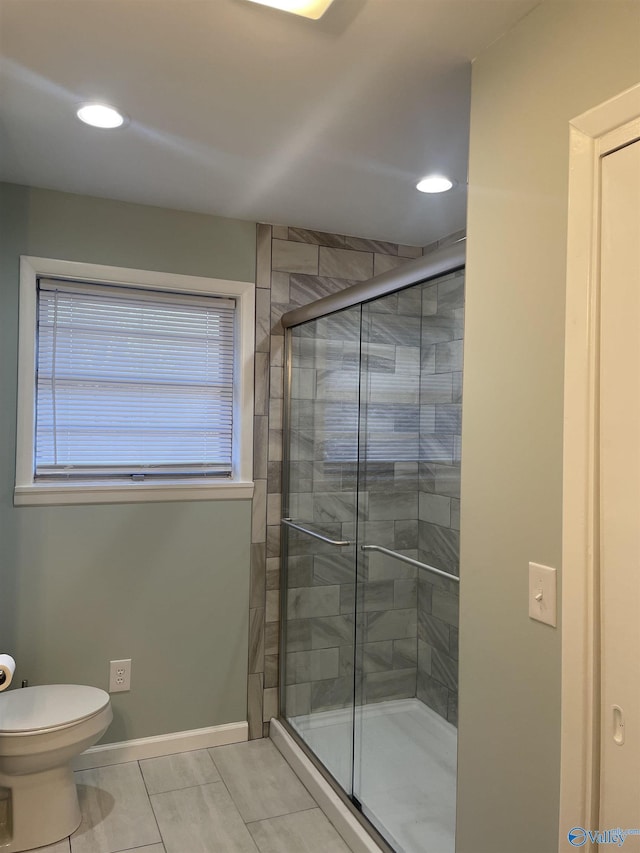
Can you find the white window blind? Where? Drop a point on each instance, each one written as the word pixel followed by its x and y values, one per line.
pixel 132 383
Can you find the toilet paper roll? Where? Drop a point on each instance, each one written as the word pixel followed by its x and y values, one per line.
pixel 7 668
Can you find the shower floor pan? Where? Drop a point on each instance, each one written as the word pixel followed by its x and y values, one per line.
pixel 405 769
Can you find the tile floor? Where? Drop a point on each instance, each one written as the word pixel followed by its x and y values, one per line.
pixel 242 798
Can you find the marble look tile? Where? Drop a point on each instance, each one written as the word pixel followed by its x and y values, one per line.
pixel 393 684
pixel 405 536
pixel 307 288
pixel 405 593
pixel 432 693
pixel 405 653
pixel 277 351
pixel 453 642
pixel 436 448
pixel 115 810
pixel 446 606
pixel 292 256
pixel 381 567
pixel 273 540
pixel 410 251
pixel 275 414
pixel 439 546
pixel 270 703
pixel 270 671
pixel 448 418
pixel 259 512
pixel 276 381
pixel 330 694
pixel 447 480
pixel 329 631
pixel 320 238
pixel 254 704
pixel 272 606
pixel 274 477
pixel 261 391
pixel 435 509
pixel 329 569
pixel 452 709
pixel 384 263
pixel 393 505
pixel 391 625
pixel 259 780
pixel 433 631
pixel 280 288
pixel 271 638
pixel 263 320
pixel 274 509
pixel 377 657
pixel 449 357
pixel 378 595
pixel 263 255
pixel 361 244
pixel 444 669
pixel 202 819
pixel 308 602
pixel 184 770
pixel 256 639
pixel 390 329
pixel 344 263
pixel 455 514
pixel 275 445
pixel 313 665
pixel 424 658
pixel 298 699
pixel 260 439
pixel 303 832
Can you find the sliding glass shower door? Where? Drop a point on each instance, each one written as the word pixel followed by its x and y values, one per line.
pixel 370 554
pixel 320 511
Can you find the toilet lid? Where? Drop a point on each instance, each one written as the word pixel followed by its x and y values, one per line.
pixel 48 706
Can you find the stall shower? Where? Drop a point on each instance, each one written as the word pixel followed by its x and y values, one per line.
pixel 371 509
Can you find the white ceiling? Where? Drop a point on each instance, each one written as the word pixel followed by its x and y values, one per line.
pixel 247 112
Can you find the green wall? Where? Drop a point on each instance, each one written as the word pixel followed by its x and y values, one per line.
pixel 165 584
pixel 562 59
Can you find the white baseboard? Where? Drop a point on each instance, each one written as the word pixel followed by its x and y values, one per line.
pixel 153 747
pixel 349 827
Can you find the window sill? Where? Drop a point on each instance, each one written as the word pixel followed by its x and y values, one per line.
pixel 54 494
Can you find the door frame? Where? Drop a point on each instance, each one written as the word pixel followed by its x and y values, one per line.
pixel 592 135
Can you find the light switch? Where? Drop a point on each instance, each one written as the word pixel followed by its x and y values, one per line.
pixel 542 593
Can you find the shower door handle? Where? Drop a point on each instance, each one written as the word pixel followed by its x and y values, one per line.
pixel 341 543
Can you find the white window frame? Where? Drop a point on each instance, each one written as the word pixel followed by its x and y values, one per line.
pixel 41 493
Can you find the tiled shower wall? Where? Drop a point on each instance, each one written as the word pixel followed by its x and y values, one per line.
pixel 439 493
pixel 294 267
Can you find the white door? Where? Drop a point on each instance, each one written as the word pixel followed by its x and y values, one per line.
pixel 620 494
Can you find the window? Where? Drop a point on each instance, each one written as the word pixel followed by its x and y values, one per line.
pixel 132 385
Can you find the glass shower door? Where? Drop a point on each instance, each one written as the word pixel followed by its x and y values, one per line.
pixel 319 537
pixel 405 740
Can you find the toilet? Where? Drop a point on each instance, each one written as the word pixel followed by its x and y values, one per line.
pixel 42 729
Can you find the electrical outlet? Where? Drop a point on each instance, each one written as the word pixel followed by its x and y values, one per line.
pixel 119 675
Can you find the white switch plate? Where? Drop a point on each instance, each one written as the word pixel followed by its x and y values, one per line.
pixel 542 593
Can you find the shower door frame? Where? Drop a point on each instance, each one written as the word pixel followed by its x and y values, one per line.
pixel 433 266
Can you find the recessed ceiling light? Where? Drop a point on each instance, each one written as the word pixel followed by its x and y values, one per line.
pixel 100 115
pixel 434 184
pixel 313 9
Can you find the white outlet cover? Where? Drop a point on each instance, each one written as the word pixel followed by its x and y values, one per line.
pixel 542 593
pixel 119 676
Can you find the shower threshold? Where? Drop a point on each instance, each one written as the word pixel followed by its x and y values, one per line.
pixel 405 769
